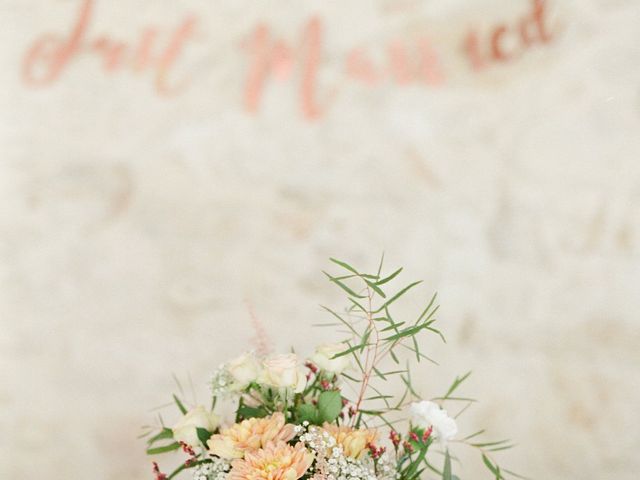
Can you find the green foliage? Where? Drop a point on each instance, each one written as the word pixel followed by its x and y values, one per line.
pixel 164 434
pixel 203 435
pixel 329 405
pixel 375 335
pixel 307 412
pixel 245 411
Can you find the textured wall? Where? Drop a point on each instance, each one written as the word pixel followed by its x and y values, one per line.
pixel 164 164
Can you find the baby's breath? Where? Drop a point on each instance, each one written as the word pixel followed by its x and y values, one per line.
pixel 331 461
pixel 221 380
pixel 216 470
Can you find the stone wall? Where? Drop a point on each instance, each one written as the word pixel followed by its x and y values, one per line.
pixel 169 167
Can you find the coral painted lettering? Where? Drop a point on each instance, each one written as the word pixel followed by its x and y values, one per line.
pixel 270 58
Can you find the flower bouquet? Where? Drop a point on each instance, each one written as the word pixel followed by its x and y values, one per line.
pixel 332 416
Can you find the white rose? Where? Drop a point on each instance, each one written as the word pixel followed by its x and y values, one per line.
pixel 323 358
pixel 283 371
pixel 199 417
pixel 427 414
pixel 244 370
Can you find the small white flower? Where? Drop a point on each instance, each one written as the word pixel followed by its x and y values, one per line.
pixel 427 414
pixel 220 381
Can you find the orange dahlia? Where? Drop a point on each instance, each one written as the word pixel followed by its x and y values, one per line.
pixel 249 435
pixel 276 461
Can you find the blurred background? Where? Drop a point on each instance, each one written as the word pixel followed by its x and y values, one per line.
pixel 167 168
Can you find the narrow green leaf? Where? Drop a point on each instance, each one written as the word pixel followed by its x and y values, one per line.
pixel 416 347
pixel 422 355
pixel 432 468
pixel 179 404
pixel 361 276
pixel 164 434
pixel 490 444
pixel 375 288
pixel 424 312
pixel 393 327
pixel 493 468
pixel 343 321
pixel 475 434
pixel 349 377
pixel 456 383
pixel 438 332
pixel 365 338
pixel 379 373
pixel 499 449
pixel 398 295
pixel 456 399
pixel 389 278
pixel 164 449
pixel 379 397
pixel 186 466
pixel 394 357
pixel 517 475
pixel 382 397
pixel 349 350
pixel 345 265
pixel 380 265
pixel 408 383
pixel 377 413
pixel 356 304
pixel 356 359
pixel 343 286
pixel 404 333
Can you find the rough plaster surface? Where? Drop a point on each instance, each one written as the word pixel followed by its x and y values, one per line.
pixel 135 229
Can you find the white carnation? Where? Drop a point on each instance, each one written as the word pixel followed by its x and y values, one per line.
pixel 427 414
